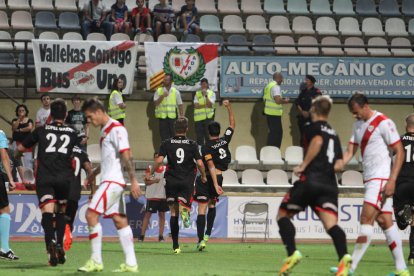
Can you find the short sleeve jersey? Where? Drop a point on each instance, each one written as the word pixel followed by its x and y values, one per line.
pixel 55 143
pixel 181 153
pixel 330 151
pixel 218 150
pixel 143 12
pixel 114 141
pixel 42 116
pixel 379 135
pixel 79 158
pixel 4 144
pixel 407 169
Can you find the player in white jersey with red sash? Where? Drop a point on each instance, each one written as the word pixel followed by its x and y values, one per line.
pixel 108 200
pixel 374 134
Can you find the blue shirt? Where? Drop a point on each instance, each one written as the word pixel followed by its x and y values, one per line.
pixel 4 143
pixel 119 12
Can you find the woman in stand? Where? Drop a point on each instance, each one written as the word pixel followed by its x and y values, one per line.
pixel 21 128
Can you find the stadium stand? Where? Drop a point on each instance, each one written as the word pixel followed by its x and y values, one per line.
pixel 308 41
pixel 45 20
pixel 277 177
pixel 285 50
pixel 18 5
pixel 66 5
pixel 401 41
pixel 279 24
pixel 343 7
pixel 233 24
pixel 167 38
pixel 331 51
pixel 230 178
pixel 274 7
pixel 240 40
pixel 302 25
pixel 23 35
pixel 72 36
pixel 21 20
pixel 42 5
pixel 260 42
pixel 389 8
pixel 395 27
pixel 293 155
pixel 270 155
pixel 119 37
pixel 256 24
pixel 228 7
pixel 251 7
pixel 326 26
pixel 69 21
pixel 5 45
pixel 252 177
pixel 246 155
pixel 255 213
pixel 4 21
pixel 191 38
pixel 366 8
pixel 320 7
pixel 49 35
pixel 7 62
pixel 355 41
pixel 349 26
pixel 407 7
pixel 372 27
pixel 210 24
pixel 3 5
pixel 96 37
pixel 21 61
pixel 206 6
pixel 378 41
pixel 297 7
pixel 176 5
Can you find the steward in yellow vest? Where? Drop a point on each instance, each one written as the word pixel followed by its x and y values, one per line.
pixel 204 100
pixel 116 108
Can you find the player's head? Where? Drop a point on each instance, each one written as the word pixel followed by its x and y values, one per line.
pixel 181 125
pixel 95 111
pixel 21 110
pixel 214 129
pixel 204 84
pixel 45 99
pixel 409 123
pixel 58 109
pixel 321 106
pixel 358 106
pixel 278 77
pixel 310 81
pixel 118 84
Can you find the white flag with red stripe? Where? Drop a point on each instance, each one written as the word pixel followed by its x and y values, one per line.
pixel 83 66
pixel 188 63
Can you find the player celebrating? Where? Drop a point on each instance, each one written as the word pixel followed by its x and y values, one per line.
pixel 316 188
pixel 181 153
pixel 108 200
pixel 54 176
pixel 375 133
pixel 217 157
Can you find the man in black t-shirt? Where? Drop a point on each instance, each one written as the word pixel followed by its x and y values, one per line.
pixel 77 119
pixel 183 158
pixel 54 176
pixel 316 188
pixel 403 199
pixel 217 157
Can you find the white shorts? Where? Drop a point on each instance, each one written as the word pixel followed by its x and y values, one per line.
pixel 108 200
pixel 373 195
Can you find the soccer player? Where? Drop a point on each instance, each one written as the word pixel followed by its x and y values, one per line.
pixel 181 153
pixel 374 133
pixel 54 176
pixel 108 200
pixel 217 157
pixel 404 189
pixel 156 201
pixel 5 251
pixel 316 187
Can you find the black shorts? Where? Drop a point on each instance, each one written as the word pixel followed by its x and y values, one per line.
pixel 404 193
pixel 206 191
pixel 156 205
pixel 4 199
pixel 179 190
pixel 75 191
pixel 320 196
pixel 53 191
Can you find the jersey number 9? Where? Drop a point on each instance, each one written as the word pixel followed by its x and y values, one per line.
pixel 180 155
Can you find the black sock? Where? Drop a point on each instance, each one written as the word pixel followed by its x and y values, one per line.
pixel 412 242
pixel 174 231
pixel 201 225
pixel 60 227
pixel 339 239
pixel 287 232
pixel 47 224
pixel 210 220
pixel 71 209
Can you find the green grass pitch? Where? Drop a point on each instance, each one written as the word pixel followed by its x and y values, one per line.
pixel 219 259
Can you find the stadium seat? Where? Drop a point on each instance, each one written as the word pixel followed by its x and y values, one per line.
pixel 142 64
pixel 411 26
pixel 69 21
pixel 45 20
pixel 372 27
pixel 72 36
pixel 256 24
pixel 206 6
pixel 320 7
pixel 343 8
pixel 167 38
pixel 366 8
pixel 378 41
pixel 285 50
pixel 299 7
pixel 331 51
pixel 30 61
pixel 230 177
pixel 274 7
pixel 191 38
pixel 349 26
pixel 401 41
pixel 251 7
pixel 277 177
pixel 355 41
pixel 352 178
pixel 326 26
pixel 3 5
pixel 255 213
pixel 308 40
pixel 94 153
pixel 3 44
pixel 96 37
pixel 210 23
pixel 294 178
pixel 176 4
pixel 302 25
pixel 23 35
pixel 235 40
pixel 21 20
pixel 18 4
pixel 407 7
pixel 142 38
pixel 246 155
pixel 389 8
pixel 7 62
pixel 270 155
pixel 228 7
pixel 119 37
pixel 214 38
pixel 252 177
pixel 49 35
pixel 263 40
pixel 82 3
pixel 294 155
pixel 42 5
pixel 279 24
pixel 4 21
pixel 233 24
pixel 395 27
pixel 66 5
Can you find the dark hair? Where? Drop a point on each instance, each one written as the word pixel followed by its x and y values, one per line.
pixel 357 98
pixel 155 153
pixel 181 125
pixel 44 95
pixel 58 109
pixel 322 105
pixel 311 78
pixel 214 128
pixel 76 97
pixel 25 108
pixel 93 104
pixel 204 80
pixel 168 75
pixel 115 84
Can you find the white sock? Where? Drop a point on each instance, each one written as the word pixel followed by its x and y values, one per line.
pixel 95 236
pixel 361 245
pixel 395 245
pixel 127 242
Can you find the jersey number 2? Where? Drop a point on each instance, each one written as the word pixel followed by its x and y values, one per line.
pixel 330 152
pixel 180 155
pixel 53 138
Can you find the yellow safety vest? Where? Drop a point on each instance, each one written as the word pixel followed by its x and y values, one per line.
pixel 167 108
pixel 201 114
pixel 271 107
pixel 115 112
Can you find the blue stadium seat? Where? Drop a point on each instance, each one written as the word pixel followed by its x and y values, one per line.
pixel 45 20
pixel 190 38
pixel 69 21
pixel 7 62
pixel 366 7
pixel 407 7
pixel 274 7
pixel 320 7
pixel 210 23
pixel 238 40
pixel 343 7
pixel 389 8
pixel 297 7
pixel 264 40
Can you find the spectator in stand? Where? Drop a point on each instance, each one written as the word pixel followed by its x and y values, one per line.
pixel 141 18
pixel 119 15
pixel 189 18
pixel 94 15
pixel 21 128
pixel 77 119
pixel 43 114
pixel 163 17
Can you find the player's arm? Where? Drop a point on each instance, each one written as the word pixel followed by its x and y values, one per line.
pixel 126 158
pixel 395 169
pixel 313 150
pixel 157 163
pixel 148 179
pixel 202 170
pixel 212 170
pixel 339 165
pixel 5 160
pixel 87 166
pixel 232 121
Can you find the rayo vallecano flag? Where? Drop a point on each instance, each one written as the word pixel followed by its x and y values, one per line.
pixel 188 63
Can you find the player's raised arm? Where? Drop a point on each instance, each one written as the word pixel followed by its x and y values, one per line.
pixel 126 157
pixel 313 150
pixel 230 113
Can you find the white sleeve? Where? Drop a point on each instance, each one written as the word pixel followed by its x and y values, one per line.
pixel 119 138
pixel 178 98
pixel 275 91
pixel 117 99
pixel 195 99
pixel 389 132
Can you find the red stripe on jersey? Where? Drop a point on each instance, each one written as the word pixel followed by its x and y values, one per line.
pixel 123 150
pixel 370 129
pixel 92 236
pixel 392 245
pixel 108 130
pixel 395 143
